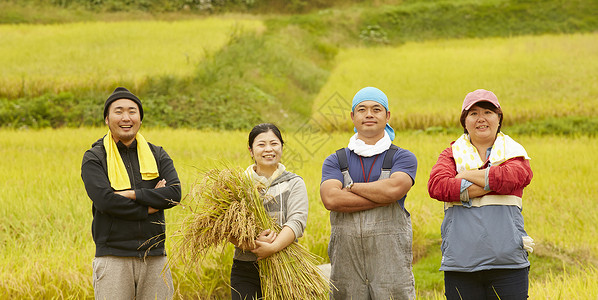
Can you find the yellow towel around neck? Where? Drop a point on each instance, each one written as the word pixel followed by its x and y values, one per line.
pixel 117 173
pixel 467 157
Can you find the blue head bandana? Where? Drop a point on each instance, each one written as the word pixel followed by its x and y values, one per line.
pixel 373 94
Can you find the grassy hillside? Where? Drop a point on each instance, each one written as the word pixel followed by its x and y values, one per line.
pixel 274 75
pixel 425 20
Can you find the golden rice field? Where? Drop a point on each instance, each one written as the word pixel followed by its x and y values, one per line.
pixel 533 77
pixel 46 246
pixel 99 55
pixel 45 233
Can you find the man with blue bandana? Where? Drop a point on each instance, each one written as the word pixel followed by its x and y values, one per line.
pixel 364 187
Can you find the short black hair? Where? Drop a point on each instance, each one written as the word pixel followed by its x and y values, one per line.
pixel 261 128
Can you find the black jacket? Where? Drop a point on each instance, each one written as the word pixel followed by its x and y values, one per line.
pixel 121 226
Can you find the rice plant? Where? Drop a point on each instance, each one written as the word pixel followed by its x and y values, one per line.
pixel 225 205
pixel 46 211
pixel 100 55
pixel 534 77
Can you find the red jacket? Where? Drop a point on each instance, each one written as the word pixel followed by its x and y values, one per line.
pixel 508 178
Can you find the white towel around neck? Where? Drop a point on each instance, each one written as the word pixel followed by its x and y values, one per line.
pixel 362 149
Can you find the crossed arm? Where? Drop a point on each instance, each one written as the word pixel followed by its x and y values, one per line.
pixel 478 178
pixel 508 177
pixel 131 195
pixel 364 195
pixel 514 174
pixel 129 204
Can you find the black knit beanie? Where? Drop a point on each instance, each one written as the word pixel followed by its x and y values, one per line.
pixel 122 93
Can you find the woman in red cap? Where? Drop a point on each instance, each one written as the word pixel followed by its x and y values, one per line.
pixel 480 178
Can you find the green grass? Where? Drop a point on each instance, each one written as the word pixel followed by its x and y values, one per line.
pixel 534 77
pixel 101 55
pixel 429 20
pixel 275 74
pixel 47 215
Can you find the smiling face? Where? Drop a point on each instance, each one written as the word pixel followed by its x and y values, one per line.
pixel 124 120
pixel 266 150
pixel 482 124
pixel 370 118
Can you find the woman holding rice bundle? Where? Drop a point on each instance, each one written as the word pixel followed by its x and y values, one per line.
pixel 480 178
pixel 285 200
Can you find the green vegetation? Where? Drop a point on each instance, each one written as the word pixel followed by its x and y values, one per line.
pixel 22 10
pixel 562 126
pixel 255 78
pixel 425 20
pixel 275 74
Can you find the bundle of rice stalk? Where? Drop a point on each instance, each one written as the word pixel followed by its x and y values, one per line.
pixel 226 205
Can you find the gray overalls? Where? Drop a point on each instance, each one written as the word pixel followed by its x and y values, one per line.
pixel 370 251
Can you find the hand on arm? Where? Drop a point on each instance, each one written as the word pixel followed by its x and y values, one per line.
pixel 269 242
pixel 165 196
pixel 478 177
pixel 445 183
pixel 335 198
pixel 384 191
pixel 161 183
pixel 131 195
pixel 267 236
pixel 151 210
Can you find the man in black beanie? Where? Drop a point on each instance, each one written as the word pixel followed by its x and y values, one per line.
pixel 130 182
pixel 122 93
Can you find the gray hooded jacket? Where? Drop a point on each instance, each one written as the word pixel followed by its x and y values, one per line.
pixel 288 206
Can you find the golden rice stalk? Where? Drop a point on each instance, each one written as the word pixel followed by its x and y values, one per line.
pixel 226 205
pixel 292 274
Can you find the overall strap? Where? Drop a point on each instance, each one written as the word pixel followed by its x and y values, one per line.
pixel 341 156
pixel 387 163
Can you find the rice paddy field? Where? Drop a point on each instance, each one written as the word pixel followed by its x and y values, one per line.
pixel 533 76
pixel 45 233
pixel 98 55
pixel 46 248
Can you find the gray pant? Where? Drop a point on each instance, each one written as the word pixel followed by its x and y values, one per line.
pixel 371 256
pixel 128 278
